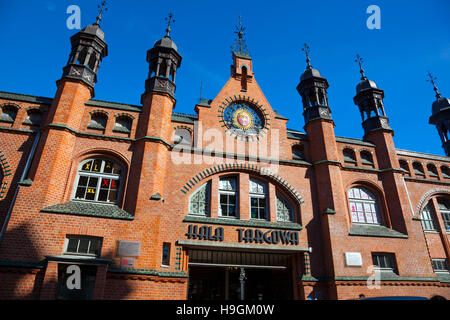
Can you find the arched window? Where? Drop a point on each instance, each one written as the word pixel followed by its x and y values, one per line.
pixel 349 155
pixel 298 152
pixel 34 118
pixel 244 79
pixel 445 172
pixel 99 180
pixel 404 165
pixel 428 222
pixel 123 124
pixel 258 199
pixel 366 158
pixel 418 169
pixel 9 114
pixel 228 197
pixel 199 201
pixel 285 211
pixel 432 171
pixel 98 121
pixel 182 136
pixel 364 206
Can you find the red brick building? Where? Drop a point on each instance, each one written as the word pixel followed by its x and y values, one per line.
pixel 226 203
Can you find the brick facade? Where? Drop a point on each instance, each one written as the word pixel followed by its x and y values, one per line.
pixel 38 208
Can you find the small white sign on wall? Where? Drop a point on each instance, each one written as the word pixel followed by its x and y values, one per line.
pixel 353 259
pixel 127 263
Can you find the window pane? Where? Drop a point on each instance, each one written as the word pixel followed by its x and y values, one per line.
pixel 87 166
pixel 95 246
pixel 84 245
pixel 81 192
pixel 109 167
pixel 83 181
pixel 227 184
pixel 103 195
pixel 72 245
pixel 97 166
pixel 113 196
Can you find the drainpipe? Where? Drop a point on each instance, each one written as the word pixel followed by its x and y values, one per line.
pixel 24 175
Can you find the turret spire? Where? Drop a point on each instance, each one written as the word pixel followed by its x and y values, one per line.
pixel 306 50
pixel 432 81
pixel 361 70
pixel 103 9
pixel 240 46
pixel 169 20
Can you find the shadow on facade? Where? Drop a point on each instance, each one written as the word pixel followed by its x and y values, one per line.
pixel 12 185
pixel 25 273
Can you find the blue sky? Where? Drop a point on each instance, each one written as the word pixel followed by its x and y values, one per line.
pixel 414 38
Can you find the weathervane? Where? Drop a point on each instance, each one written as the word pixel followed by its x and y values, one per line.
pixel 240 46
pixel 306 50
pixel 361 70
pixel 240 29
pixel 102 9
pixel 431 80
pixel 169 20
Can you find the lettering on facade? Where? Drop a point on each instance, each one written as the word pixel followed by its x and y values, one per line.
pixel 269 237
pixel 205 233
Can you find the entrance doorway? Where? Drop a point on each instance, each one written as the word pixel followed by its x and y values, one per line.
pixel 216 275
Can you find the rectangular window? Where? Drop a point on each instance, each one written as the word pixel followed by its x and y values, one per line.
pixel 440 265
pixel 83 245
pixel 384 262
pixel 444 208
pixel 166 254
pixel 228 197
pixel 428 219
pixel 258 199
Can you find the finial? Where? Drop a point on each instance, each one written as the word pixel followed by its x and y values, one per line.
pixel 169 20
pixel 240 29
pixel 361 70
pixel 240 46
pixel 308 60
pixel 102 9
pixel 431 80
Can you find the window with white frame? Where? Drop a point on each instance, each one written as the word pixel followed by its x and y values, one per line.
pixel 364 206
pixel 99 180
pixel 440 265
pixel 444 208
pixel 199 201
pixel 285 211
pixel 82 245
pixel 384 262
pixel 228 197
pixel 258 199
pixel 428 222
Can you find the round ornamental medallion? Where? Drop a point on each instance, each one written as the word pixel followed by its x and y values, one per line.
pixel 243 119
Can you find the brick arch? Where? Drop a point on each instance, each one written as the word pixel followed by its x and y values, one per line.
pixel 5 172
pixel 10 104
pixel 426 197
pixel 183 127
pixel 246 168
pixel 102 152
